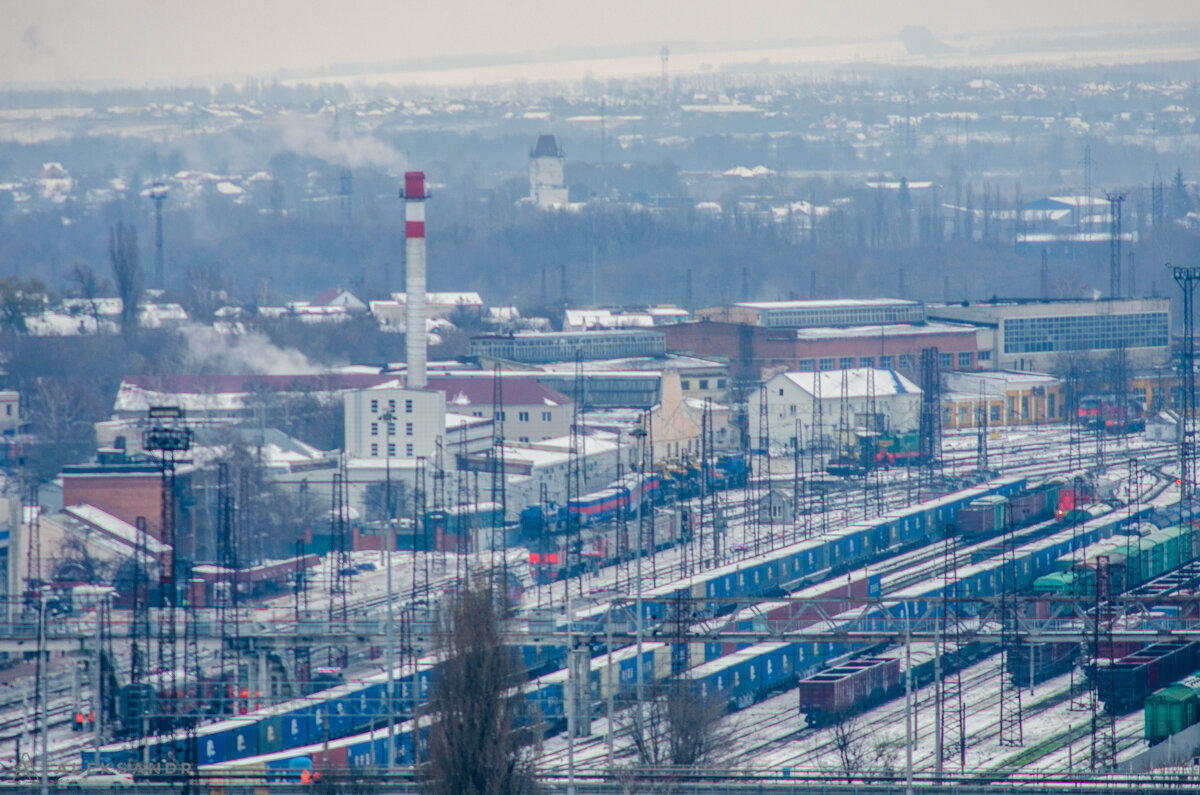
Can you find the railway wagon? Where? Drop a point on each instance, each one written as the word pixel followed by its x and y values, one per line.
pixel 986 516
pixel 1172 709
pixel 846 688
pixel 1036 662
pixel 1124 684
pixel 739 679
pixel 1036 504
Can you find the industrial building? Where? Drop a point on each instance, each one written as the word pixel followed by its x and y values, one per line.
pixel 754 351
pixel 1019 334
pixel 796 402
pixel 814 313
pixel 532 347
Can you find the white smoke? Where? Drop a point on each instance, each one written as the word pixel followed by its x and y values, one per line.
pixel 241 353
pixel 340 146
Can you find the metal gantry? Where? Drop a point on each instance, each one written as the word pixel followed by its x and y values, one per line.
pixel 1187 278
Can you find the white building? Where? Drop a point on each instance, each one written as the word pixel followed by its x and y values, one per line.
pixel 791 403
pixel 547 185
pixel 390 312
pixel 389 422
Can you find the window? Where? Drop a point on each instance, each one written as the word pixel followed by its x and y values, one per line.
pixel 946 360
pixel 994 414
pixel 985 356
pixel 476 413
pixel 806 365
pixel 827 364
pixel 523 439
pixel 8 409
pixel 522 416
pixel 408 406
pixel 408 429
pixel 720 383
pixel 906 362
pixel 374 449
pixel 962 415
pixel 408 450
pixel 546 416
pixel 374 406
pixel 1024 407
pixel 374 428
pixel 391 429
pixel 1050 405
pixel 500 416
pixel 846 362
pixel 866 361
pixel 391 405
pixel 1084 332
pixel 964 359
pixel 704 383
pixel 1012 405
pixel 685 384
pixel 391 449
pixel 792 410
pixel 885 362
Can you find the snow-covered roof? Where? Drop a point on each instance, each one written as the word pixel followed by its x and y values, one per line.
pixel 887 383
pixel 821 303
pixel 118 529
pixel 444 299
pixel 889 330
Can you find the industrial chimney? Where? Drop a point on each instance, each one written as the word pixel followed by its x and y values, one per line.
pixel 414 283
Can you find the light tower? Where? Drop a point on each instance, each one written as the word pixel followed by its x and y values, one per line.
pixel 414 195
pixel 158 194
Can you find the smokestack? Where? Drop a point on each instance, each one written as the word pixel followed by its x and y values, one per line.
pixel 414 284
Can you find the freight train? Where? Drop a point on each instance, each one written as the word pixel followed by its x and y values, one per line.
pixel 1057 498
pixel 793 566
pixel 745 675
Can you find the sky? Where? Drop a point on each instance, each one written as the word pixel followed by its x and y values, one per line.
pixel 139 42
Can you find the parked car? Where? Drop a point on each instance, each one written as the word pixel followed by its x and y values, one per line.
pixel 96 778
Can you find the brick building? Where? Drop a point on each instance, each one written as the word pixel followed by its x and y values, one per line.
pixel 755 352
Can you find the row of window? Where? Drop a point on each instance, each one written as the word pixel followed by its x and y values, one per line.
pixel 408 406
pixel 1085 332
pixel 391 429
pixel 391 450
pixel 963 359
pixel 844 316
pixel 522 416
pixel 1053 409
pixel 556 348
pixel 702 383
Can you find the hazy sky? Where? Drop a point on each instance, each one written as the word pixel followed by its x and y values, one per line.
pixel 140 41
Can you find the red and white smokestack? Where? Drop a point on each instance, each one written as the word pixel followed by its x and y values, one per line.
pixel 414 196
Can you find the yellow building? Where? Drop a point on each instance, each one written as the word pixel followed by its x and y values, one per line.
pixel 1012 398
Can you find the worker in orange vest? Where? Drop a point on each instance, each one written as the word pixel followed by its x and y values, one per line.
pixel 305 776
pixel 78 721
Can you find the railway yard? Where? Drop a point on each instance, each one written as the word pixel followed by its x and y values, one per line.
pixel 979 671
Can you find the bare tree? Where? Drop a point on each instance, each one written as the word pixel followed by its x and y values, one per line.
pixel 851 750
pixel 87 285
pixel 19 300
pixel 475 745
pixel 123 253
pixel 676 730
pixel 74 562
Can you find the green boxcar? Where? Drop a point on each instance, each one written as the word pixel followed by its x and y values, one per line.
pixel 1170 711
pixel 1058 582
